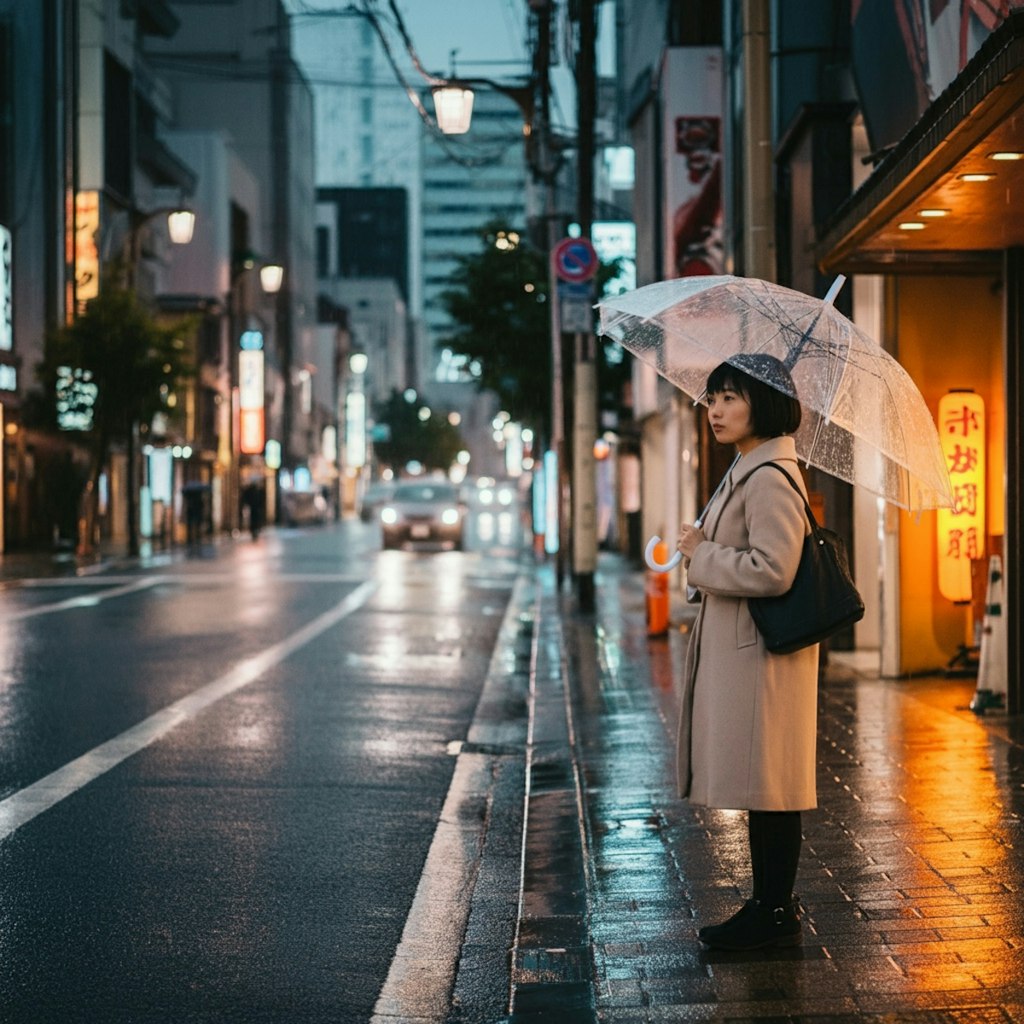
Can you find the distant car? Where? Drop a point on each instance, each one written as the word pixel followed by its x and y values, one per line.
pixel 426 511
pixel 376 495
pixel 490 492
pixel 300 508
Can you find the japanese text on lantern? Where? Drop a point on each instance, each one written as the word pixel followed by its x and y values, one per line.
pixel 961 529
pixel 87 256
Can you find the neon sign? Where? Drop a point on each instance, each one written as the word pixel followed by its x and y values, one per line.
pixel 961 529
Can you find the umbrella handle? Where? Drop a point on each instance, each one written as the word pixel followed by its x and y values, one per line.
pixel 657 566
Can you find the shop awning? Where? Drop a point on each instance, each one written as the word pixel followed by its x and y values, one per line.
pixel 950 194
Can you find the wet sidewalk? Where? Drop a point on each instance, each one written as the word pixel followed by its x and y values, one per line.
pixel 911 874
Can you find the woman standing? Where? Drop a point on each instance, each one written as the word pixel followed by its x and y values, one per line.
pixel 748 726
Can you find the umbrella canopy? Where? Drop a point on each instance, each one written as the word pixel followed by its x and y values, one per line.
pixel 864 419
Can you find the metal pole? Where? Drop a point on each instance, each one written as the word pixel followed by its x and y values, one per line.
pixel 758 195
pixel 1013 591
pixel 546 170
pixel 584 486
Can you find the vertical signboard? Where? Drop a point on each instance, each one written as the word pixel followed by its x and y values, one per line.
pixel 87 255
pixel 250 401
pixel 355 429
pixel 692 133
pixel 961 529
pixel 6 292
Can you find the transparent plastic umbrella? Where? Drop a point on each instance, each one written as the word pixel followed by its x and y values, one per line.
pixel 865 421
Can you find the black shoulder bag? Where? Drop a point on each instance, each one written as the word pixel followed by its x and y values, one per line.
pixel 822 600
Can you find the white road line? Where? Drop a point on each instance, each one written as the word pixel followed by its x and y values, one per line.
pixel 424 968
pixel 21 807
pixel 60 582
pixel 136 584
pixel 85 601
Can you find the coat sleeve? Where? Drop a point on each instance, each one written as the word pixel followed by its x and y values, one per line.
pixel 776 525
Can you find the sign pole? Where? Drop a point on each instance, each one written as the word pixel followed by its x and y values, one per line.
pixel 575 263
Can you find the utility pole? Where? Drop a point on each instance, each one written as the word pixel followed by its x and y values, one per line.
pixel 584 485
pixel 758 195
pixel 281 223
pixel 545 169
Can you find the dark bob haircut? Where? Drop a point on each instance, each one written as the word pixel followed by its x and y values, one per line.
pixel 774 409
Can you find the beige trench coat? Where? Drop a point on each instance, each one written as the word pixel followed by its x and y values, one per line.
pixel 748 726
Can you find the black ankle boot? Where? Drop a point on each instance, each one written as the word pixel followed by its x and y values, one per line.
pixel 758 927
pixel 710 931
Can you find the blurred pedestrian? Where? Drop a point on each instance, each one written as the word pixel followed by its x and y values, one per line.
pixel 749 718
pixel 255 504
pixel 194 496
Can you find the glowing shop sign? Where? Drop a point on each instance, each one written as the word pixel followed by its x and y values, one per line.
pixel 251 435
pixel 355 429
pixel 961 529
pixel 87 255
pixel 76 397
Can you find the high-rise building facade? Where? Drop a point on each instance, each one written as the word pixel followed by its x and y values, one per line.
pixel 485 181
pixel 367 131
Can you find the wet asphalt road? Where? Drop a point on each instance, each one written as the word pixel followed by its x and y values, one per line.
pixel 276 719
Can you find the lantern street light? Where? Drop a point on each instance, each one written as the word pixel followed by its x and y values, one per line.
pixel 453 102
pixel 181 224
pixel 453 106
pixel 271 278
pixel 355 414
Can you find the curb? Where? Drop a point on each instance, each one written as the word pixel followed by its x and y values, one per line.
pixel 552 976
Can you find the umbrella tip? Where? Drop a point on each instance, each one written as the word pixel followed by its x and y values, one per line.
pixel 837 286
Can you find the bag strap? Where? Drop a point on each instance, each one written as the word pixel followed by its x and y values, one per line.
pixel 815 525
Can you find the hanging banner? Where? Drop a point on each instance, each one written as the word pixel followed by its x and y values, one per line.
pixel 925 46
pixel 250 401
pixel 87 255
pixel 355 430
pixel 692 132
pixel 961 529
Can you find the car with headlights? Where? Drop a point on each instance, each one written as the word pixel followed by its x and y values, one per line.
pixel 377 495
pixel 302 508
pixel 423 511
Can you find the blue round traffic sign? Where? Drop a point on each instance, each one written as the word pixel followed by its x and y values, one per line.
pixel 574 259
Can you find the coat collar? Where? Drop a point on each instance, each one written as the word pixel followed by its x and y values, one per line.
pixel 775 449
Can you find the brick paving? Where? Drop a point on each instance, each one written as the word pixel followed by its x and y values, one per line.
pixel 912 867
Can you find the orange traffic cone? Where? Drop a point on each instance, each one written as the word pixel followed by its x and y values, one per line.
pixel 657 594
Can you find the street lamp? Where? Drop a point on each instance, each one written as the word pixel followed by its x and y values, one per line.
pixel 271 278
pixel 453 106
pixel 248 347
pixel 355 414
pixel 453 102
pixel 180 225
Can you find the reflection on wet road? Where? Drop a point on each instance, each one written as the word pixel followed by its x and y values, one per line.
pixel 220 776
pixel 912 867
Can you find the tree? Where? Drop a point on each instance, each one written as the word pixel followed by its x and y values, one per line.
pixel 110 370
pixel 498 301
pixel 431 441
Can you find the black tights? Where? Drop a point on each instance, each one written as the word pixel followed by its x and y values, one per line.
pixel 775 839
